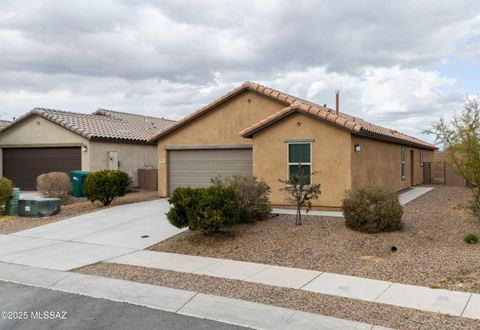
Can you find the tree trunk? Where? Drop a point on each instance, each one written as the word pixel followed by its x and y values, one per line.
pixel 299 217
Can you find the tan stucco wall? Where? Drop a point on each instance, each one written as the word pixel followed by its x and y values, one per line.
pixel 218 126
pixel 330 157
pixel 131 157
pixel 378 163
pixel 37 131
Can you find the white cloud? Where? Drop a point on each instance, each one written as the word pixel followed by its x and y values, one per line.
pixel 170 57
pixel 404 99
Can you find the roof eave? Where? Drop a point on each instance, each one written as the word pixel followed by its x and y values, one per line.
pixel 246 86
pixel 248 133
pixel 385 138
pixel 304 110
pixel 120 140
pixel 199 112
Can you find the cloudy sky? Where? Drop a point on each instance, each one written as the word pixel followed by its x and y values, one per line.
pixel 401 64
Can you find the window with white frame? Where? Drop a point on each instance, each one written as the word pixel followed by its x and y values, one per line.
pixel 299 159
pixel 421 157
pixel 404 164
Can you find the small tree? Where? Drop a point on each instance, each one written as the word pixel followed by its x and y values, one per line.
pixel 461 141
pixel 301 191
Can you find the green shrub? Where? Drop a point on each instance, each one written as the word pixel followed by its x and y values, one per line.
pixel 6 188
pixel 253 195
pixel 372 210
pixel 182 201
pixel 105 185
pixel 55 184
pixel 471 238
pixel 205 209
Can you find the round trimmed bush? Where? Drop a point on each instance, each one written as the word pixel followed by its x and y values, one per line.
pixel 55 184
pixel 105 185
pixel 372 210
pixel 182 201
pixel 204 209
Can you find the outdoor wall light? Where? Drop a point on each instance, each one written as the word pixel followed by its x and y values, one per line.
pixel 84 148
pixel 357 147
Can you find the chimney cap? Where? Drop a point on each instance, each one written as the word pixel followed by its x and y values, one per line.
pixel 337 91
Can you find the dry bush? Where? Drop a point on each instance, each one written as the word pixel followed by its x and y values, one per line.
pixel 253 195
pixel 55 185
pixel 372 210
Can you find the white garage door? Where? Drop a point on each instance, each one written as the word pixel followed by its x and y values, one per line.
pixel 195 168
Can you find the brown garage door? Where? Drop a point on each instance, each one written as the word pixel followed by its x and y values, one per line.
pixel 23 165
pixel 195 168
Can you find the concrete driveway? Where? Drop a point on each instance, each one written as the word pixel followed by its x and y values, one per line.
pixel 89 238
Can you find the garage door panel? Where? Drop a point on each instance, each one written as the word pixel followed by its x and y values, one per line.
pixel 23 165
pixel 196 168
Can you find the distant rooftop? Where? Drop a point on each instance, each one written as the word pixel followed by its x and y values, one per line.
pixel 4 123
pixel 102 123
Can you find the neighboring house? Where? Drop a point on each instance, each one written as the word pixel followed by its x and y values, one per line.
pixel 255 130
pixel 46 140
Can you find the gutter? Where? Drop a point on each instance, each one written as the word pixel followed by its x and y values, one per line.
pixel 393 140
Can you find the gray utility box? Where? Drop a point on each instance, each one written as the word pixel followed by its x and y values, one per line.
pixel 39 207
pixel 11 207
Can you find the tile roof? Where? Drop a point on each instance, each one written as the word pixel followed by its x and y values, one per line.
pixel 102 123
pixel 4 123
pixel 294 104
pixel 355 125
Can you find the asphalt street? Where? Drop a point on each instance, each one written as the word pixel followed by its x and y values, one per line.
pixel 26 307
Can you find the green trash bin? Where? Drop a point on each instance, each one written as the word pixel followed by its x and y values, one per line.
pixel 77 178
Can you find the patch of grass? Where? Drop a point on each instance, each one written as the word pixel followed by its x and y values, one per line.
pixel 465 272
pixel 471 238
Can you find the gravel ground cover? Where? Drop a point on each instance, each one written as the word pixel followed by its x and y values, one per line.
pixel 77 206
pixel 430 248
pixel 357 310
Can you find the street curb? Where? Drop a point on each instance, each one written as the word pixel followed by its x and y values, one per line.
pixel 226 310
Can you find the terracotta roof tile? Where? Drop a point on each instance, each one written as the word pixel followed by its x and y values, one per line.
pixel 352 123
pixel 4 123
pixel 102 123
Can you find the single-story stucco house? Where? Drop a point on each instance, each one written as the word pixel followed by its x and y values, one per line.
pixel 256 130
pixel 45 140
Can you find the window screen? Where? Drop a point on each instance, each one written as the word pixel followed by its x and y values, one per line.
pixel 299 160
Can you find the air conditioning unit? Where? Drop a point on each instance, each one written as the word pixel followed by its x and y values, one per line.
pixel 39 207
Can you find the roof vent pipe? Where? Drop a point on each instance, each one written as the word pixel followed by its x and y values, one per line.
pixel 337 99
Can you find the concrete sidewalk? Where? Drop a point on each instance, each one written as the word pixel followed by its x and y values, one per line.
pixel 404 198
pixel 416 297
pixel 90 238
pixel 412 194
pixel 227 310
